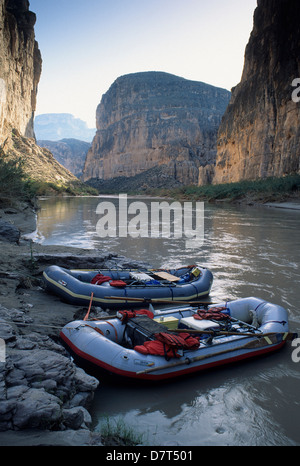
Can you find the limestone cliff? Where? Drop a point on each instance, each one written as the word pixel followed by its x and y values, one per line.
pixel 156 119
pixel 259 135
pixel 20 69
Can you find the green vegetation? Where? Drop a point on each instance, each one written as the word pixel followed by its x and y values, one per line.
pixel 43 188
pixel 115 432
pixel 263 190
pixel 16 186
pixel 13 185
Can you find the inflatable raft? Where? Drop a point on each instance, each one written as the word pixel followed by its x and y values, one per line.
pixel 180 341
pixel 115 288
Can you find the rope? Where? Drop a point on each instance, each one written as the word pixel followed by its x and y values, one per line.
pixel 88 312
pixel 172 294
pixel 48 325
pixel 195 289
pixel 34 325
pixel 116 333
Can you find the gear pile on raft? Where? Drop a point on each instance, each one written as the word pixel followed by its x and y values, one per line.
pixel 168 342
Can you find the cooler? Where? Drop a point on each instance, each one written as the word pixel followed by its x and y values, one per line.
pixel 168 321
pixel 195 324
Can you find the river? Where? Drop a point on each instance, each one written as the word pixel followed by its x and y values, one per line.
pixel 252 251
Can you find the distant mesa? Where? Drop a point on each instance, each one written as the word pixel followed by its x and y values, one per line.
pixel 155 119
pixel 57 126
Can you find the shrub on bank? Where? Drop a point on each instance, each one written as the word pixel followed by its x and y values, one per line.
pixel 12 180
pixel 263 189
pixel 116 432
pixel 16 185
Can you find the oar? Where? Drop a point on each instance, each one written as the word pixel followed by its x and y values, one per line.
pixel 158 300
pixel 211 332
pixel 289 336
pixel 253 344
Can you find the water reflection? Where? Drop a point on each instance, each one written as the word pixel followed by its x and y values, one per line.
pixel 251 252
pixel 244 405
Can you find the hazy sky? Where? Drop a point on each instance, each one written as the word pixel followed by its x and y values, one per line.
pixel 87 44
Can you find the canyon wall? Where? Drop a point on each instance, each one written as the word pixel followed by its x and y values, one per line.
pixel 153 119
pixel 20 70
pixel 259 135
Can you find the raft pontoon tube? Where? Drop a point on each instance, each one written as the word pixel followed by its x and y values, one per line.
pixel 130 345
pixel 75 287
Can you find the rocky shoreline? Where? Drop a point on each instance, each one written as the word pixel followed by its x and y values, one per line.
pixel 44 397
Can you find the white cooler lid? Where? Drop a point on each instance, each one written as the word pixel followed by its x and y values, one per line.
pixel 199 324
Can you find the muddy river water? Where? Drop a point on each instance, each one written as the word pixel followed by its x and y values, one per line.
pixel 252 251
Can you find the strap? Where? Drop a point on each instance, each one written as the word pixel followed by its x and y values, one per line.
pixel 116 333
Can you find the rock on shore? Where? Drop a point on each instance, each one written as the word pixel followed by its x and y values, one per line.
pixel 44 397
pixel 40 387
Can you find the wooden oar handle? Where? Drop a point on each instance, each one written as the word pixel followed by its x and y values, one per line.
pixel 158 300
pixel 213 332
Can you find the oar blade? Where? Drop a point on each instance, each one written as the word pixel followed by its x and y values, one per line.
pixel 269 339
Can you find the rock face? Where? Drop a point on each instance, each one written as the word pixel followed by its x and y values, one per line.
pixel 9 232
pixel 39 163
pixel 20 69
pixel 259 135
pixel 40 387
pixel 152 119
pixel 71 153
